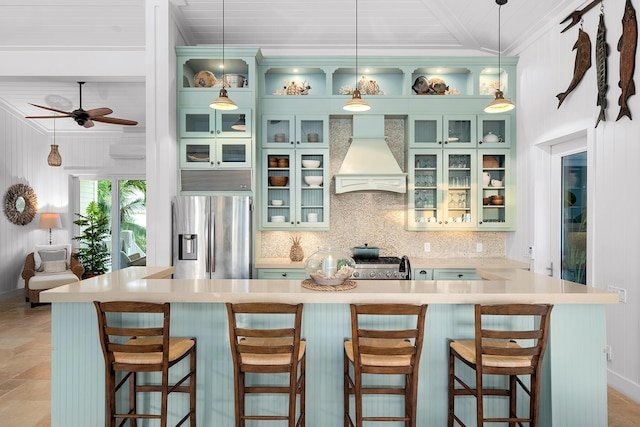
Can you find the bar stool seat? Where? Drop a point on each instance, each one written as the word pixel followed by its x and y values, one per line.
pixel 374 349
pixel 145 347
pixel 501 346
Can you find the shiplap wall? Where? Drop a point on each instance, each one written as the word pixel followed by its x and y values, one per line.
pixel 23 156
pixel 545 69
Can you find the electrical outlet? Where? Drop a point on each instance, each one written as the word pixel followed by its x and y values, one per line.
pixel 531 253
pixel 478 247
pixel 622 293
pixel 427 247
pixel 609 353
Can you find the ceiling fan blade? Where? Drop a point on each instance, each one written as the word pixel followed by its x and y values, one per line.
pixel 97 112
pixel 50 109
pixel 114 121
pixel 46 117
pixel 88 124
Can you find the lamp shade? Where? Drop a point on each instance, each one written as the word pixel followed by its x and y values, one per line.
pixel 223 102
pixel 50 220
pixel 356 103
pixel 499 104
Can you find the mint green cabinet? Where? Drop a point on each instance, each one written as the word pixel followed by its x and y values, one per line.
pixel 303 131
pixel 494 131
pixel 207 122
pixel 205 153
pixel 282 273
pixel 295 189
pixel 455 274
pixel 448 131
pixel 497 190
pixel 441 189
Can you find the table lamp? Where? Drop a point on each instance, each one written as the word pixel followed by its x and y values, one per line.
pixel 50 220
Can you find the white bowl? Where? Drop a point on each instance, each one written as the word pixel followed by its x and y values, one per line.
pixel 313 181
pixel 310 163
pixel 277 218
pixel 276 202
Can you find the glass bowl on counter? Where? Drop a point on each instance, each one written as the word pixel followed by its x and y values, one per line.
pixel 328 267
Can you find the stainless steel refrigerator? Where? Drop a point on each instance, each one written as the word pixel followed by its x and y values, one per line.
pixel 212 237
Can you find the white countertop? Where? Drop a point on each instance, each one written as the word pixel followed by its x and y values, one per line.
pixel 502 285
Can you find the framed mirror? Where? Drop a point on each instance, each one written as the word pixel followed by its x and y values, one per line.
pixel 20 204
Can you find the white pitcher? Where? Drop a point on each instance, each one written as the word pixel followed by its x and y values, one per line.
pixel 486 179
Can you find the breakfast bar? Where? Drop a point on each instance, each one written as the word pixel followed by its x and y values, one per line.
pixel 574 386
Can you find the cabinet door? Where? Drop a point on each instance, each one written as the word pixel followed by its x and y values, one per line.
pixel 278 131
pixel 424 201
pixel 283 273
pixel 497 191
pixel 455 274
pixel 459 131
pixel 233 152
pixel 312 189
pixel 425 131
pixel 197 122
pixel 494 131
pixel 312 131
pixel 278 201
pixel 459 184
pixel 197 153
pixel 234 123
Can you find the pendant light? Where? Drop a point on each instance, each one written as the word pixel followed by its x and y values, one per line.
pixel 54 158
pixel 223 102
pixel 499 104
pixel 241 124
pixel 356 103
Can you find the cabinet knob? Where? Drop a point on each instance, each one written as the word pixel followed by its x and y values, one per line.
pixel 218 131
pixel 284 274
pixel 460 276
pixel 211 131
pixel 440 142
pixel 218 162
pixel 480 142
pixel 423 271
pixel 297 142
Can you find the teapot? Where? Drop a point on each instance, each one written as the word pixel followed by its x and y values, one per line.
pixel 491 138
pixel 486 179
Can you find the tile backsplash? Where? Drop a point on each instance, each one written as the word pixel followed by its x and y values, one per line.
pixel 377 219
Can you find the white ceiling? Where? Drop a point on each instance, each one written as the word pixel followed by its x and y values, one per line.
pixel 278 27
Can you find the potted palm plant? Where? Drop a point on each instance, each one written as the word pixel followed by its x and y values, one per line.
pixel 93 253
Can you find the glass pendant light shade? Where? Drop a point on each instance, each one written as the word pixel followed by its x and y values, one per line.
pixel 356 103
pixel 241 124
pixel 223 102
pixel 54 158
pixel 499 105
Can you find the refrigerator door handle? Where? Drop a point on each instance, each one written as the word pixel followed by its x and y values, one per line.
pixel 211 250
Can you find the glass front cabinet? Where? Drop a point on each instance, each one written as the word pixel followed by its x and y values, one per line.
pixel 448 131
pixel 295 189
pixel 205 153
pixel 497 194
pixel 207 122
pixel 442 189
pixel 298 131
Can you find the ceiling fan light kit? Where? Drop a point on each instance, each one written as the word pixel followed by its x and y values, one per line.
pixel 499 104
pixel 223 102
pixel 356 103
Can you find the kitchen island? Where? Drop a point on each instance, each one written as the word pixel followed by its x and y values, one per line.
pixel 573 389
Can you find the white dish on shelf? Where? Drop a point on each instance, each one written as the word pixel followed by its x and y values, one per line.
pixel 277 218
pixel 276 202
pixel 310 163
pixel 313 180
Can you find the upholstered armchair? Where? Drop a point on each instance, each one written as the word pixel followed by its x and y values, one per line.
pixel 38 281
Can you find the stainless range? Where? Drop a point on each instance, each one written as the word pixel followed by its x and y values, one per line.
pixel 382 268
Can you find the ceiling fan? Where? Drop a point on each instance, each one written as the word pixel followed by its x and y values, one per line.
pixel 86 117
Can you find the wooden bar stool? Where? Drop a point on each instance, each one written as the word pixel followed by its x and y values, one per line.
pixel 268 350
pixel 500 348
pixel 385 352
pixel 136 349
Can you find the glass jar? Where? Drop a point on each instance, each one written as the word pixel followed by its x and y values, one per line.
pixel 329 267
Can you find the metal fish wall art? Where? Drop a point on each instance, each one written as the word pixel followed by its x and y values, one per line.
pixel 602 53
pixel 627 47
pixel 582 63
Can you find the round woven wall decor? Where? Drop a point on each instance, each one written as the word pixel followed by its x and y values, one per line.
pixel 20 204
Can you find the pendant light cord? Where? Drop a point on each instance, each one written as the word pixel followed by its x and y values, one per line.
pixel 223 70
pixel 356 70
pixel 499 47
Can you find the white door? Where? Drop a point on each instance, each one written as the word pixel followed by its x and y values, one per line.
pixel 569 211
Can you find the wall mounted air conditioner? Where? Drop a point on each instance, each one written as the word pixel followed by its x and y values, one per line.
pixel 127 151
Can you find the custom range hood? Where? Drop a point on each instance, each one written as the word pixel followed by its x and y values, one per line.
pixel 369 164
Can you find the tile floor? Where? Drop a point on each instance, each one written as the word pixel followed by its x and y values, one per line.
pixel 25 372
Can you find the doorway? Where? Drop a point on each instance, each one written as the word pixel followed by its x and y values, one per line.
pixel 569 206
pixel 124 202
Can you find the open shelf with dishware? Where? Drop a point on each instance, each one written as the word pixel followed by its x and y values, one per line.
pixel 310 131
pixel 497 191
pixel 295 189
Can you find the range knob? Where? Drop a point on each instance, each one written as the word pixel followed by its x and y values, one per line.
pixel 356 274
pixel 372 274
pixel 389 273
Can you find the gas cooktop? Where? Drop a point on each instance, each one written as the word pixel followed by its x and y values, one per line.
pixel 382 268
